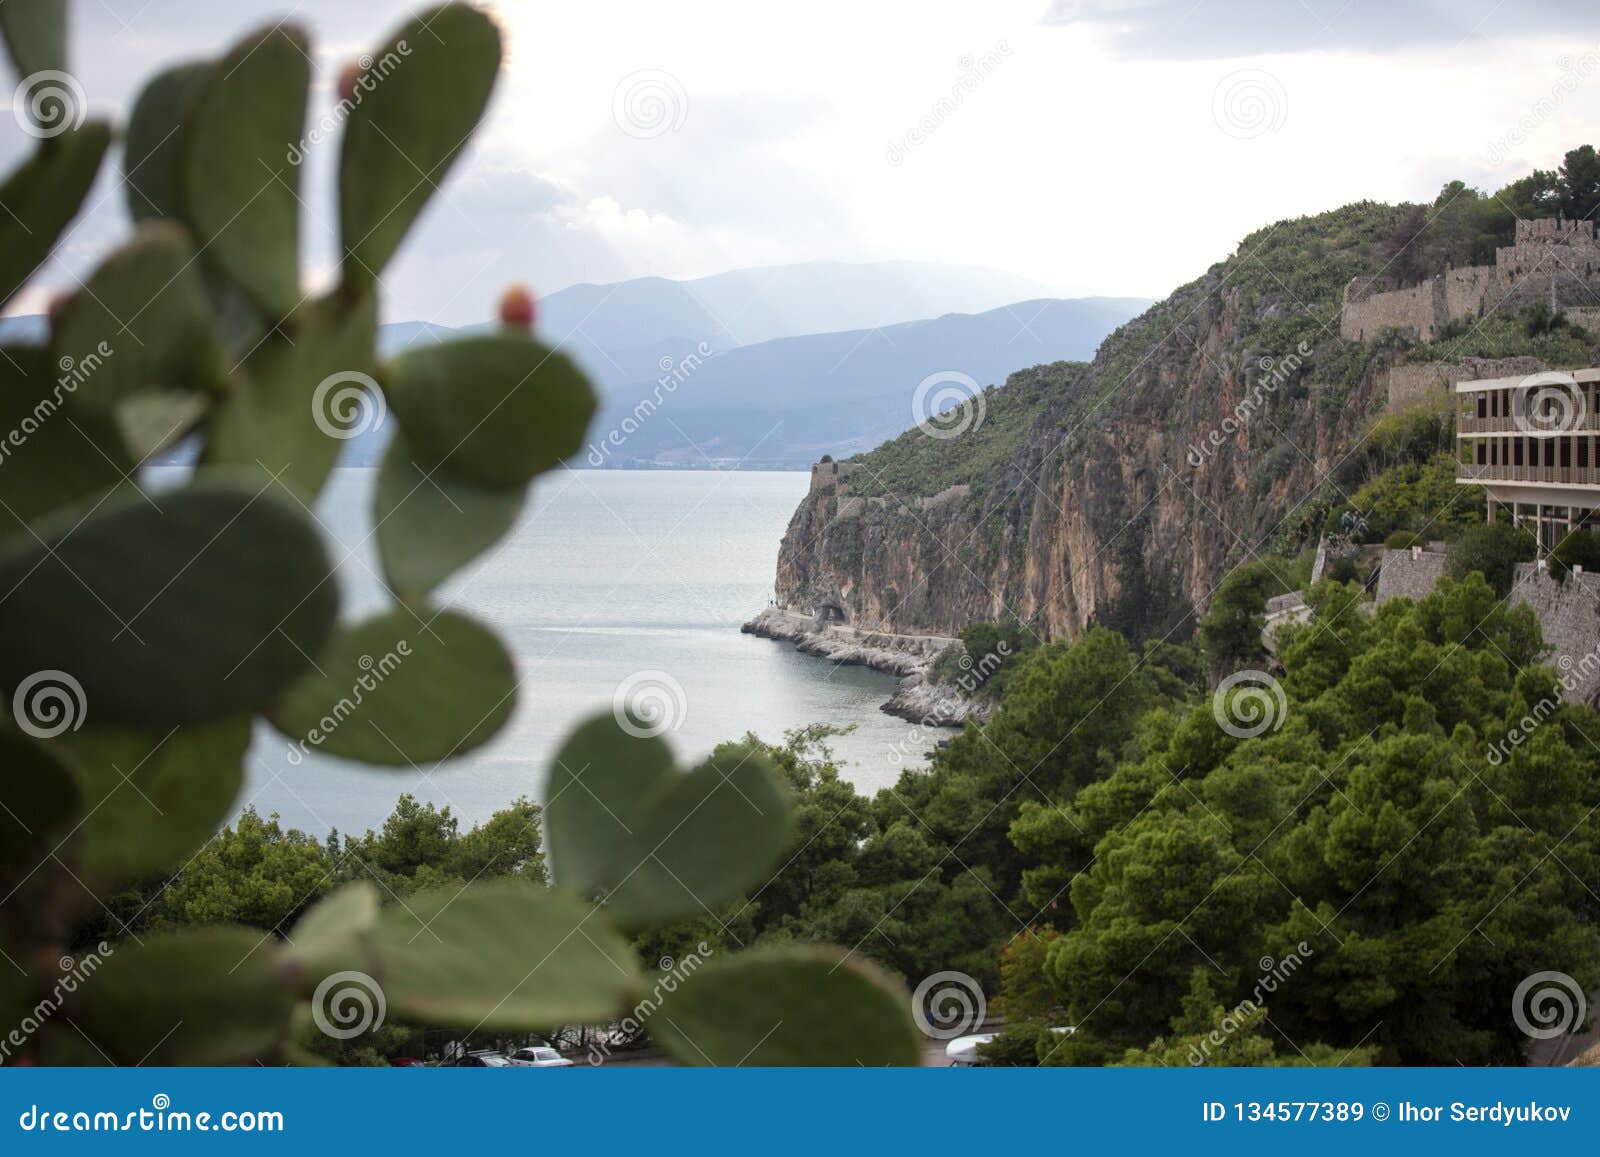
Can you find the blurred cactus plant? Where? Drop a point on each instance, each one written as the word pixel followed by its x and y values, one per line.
pixel 144 632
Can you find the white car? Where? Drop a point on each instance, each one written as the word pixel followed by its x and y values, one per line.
pixel 539 1058
pixel 963 1051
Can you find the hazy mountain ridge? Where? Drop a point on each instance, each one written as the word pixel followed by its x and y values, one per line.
pixel 786 402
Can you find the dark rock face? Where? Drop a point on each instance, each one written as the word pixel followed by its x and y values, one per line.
pixel 1189 444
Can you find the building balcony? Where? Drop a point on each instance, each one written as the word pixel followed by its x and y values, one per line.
pixel 1473 472
pixel 1467 427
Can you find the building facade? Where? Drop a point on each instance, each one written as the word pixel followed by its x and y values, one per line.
pixel 1533 443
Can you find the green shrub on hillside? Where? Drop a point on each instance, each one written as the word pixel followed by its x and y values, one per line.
pixel 918 465
pixel 1504 336
pixel 1580 548
pixel 1420 497
pixel 1493 550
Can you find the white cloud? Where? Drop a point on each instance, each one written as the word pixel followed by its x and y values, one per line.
pixel 1077 159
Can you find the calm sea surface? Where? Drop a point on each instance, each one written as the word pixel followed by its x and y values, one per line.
pixel 611 576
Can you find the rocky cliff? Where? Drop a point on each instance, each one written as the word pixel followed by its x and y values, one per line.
pixel 1221 420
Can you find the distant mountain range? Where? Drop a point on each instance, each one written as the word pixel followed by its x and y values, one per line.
pixel 620 332
pixel 770 368
pixel 784 403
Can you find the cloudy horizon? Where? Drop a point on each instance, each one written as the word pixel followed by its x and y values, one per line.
pixel 1113 148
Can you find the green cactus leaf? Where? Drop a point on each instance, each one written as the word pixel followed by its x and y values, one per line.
pixel 156 419
pixel 657 844
pixel 401 690
pixel 283 418
pixel 430 524
pixel 240 189
pixel 201 607
pixel 35 33
pixel 151 798
pixel 42 197
pixel 411 114
pixel 153 144
pixel 334 927
pixel 812 1005
pixel 502 956
pixel 140 321
pixel 38 796
pixel 51 453
pixel 202 996
pixel 494 410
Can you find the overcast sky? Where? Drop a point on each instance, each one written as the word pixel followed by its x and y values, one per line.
pixel 1109 147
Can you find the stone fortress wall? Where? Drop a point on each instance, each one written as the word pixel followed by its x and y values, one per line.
pixel 831 473
pixel 1554 261
pixel 1408 384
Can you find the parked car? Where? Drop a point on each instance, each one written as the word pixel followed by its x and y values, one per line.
pixel 539 1057
pixel 482 1059
pixel 963 1051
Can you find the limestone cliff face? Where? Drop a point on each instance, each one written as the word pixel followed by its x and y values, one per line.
pixel 1198 434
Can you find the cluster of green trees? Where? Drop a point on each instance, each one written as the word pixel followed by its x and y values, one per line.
pixel 1464 225
pixel 1104 854
pixel 257 872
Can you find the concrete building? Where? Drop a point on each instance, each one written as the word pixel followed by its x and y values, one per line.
pixel 1531 442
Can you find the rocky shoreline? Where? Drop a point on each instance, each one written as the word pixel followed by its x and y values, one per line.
pixel 917 699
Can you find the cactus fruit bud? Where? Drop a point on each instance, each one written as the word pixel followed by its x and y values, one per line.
pixel 517 309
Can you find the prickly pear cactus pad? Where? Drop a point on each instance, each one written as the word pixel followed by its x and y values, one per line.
pixel 153 633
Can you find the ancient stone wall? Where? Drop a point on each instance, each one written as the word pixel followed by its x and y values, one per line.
pixel 1409 384
pixel 1551 261
pixel 831 473
pixel 1413 311
pixel 1569 616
